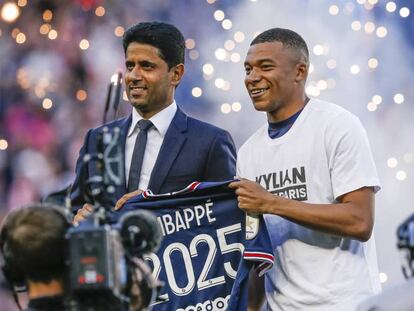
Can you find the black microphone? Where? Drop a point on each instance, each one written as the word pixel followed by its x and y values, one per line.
pixel 140 232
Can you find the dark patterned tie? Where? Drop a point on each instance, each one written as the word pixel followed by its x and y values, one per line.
pixel 138 155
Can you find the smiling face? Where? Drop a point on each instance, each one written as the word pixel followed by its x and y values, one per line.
pixel 148 81
pixel 275 79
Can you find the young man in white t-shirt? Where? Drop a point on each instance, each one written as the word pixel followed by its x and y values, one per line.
pixel 311 172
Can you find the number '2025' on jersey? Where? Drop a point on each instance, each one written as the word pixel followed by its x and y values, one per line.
pixel 208 245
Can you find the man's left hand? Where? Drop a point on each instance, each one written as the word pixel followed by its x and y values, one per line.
pixel 126 197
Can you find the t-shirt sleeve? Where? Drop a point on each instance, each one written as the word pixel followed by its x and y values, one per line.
pixel 351 164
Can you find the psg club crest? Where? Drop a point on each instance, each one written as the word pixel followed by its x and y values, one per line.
pixel 252 226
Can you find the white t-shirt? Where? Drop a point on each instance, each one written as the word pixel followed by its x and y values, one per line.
pixel 324 155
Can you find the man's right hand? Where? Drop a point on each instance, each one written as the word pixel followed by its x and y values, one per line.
pixel 82 213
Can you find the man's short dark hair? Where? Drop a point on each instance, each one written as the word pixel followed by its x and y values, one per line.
pixel 287 37
pixel 165 37
pixel 35 241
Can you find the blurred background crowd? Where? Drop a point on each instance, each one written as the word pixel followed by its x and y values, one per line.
pixel 57 58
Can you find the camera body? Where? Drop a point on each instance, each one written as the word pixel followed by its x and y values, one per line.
pixel 97 262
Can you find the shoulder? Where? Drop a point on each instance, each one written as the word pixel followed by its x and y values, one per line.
pixel 122 124
pixel 91 135
pixel 327 110
pixel 202 128
pixel 332 117
pixel 254 140
pixel 116 123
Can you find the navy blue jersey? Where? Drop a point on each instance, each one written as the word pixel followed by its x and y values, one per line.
pixel 205 238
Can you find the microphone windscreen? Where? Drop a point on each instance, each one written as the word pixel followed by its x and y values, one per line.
pixel 140 232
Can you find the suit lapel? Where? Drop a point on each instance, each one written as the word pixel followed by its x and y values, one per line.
pixel 171 146
pixel 124 127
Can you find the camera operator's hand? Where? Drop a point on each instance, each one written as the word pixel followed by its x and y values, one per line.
pixel 143 285
pixel 82 213
pixel 126 197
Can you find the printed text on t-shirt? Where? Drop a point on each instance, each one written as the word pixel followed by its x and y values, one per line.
pixel 289 183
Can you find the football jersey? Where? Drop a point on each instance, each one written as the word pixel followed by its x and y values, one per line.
pixel 206 237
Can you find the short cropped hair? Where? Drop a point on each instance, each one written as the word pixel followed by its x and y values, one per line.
pixel 165 37
pixel 287 37
pixel 35 237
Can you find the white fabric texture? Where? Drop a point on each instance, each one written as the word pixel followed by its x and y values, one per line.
pixel 323 156
pixel 156 134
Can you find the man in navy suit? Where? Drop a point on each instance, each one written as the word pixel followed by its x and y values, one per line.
pixel 163 149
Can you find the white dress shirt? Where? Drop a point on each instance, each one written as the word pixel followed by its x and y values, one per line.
pixel 156 134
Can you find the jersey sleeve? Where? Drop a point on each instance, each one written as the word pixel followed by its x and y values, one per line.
pixel 258 255
pixel 258 248
pixel 349 154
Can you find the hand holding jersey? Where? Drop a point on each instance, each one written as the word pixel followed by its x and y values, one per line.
pixel 126 197
pixel 87 209
pixel 254 199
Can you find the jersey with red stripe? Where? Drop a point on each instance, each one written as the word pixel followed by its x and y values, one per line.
pixel 206 238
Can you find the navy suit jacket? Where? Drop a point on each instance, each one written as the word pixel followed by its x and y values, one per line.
pixel 192 150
